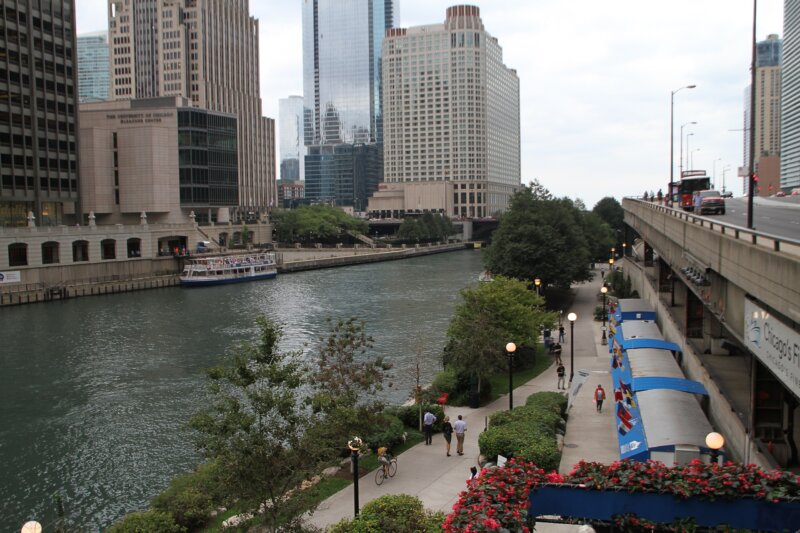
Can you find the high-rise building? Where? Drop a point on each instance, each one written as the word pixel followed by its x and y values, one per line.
pixel 93 66
pixel 790 96
pixel 768 114
pixel 38 113
pixel 292 146
pixel 451 120
pixel 342 91
pixel 207 51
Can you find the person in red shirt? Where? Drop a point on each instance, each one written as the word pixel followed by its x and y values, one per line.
pixel 599 396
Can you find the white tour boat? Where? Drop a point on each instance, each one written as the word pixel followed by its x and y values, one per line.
pixel 228 269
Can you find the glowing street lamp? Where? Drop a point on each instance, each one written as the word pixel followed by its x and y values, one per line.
pixel 510 349
pixel 715 442
pixel 538 283
pixel 604 290
pixel 355 446
pixel 572 317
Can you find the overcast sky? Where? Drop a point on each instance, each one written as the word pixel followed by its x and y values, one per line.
pixel 595 81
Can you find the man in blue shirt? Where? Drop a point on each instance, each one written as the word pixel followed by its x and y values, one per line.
pixel 427 425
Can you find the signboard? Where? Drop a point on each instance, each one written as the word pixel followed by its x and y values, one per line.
pixel 692 173
pixel 10 277
pixel 775 344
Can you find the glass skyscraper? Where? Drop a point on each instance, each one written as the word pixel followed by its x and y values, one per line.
pixel 342 42
pixel 292 144
pixel 93 66
pixel 790 96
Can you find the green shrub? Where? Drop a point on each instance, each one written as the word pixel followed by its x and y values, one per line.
pixel 398 513
pixel 146 522
pixel 409 414
pixel 191 498
pixel 551 400
pixel 388 433
pixel 527 432
pixel 445 381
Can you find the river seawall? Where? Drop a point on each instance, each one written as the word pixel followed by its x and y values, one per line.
pixel 112 278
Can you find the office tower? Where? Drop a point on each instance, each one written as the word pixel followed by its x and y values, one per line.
pixel 292 146
pixel 768 114
pixel 157 156
pixel 38 114
pixel 342 97
pixel 790 96
pixel 207 51
pixel 451 120
pixel 93 66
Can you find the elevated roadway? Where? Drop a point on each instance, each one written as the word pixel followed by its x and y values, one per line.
pixel 731 297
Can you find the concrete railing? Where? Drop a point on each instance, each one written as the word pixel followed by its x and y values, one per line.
pixel 775 243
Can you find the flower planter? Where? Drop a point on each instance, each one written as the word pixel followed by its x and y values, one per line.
pixel 579 502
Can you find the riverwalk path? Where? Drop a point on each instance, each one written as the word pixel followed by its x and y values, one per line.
pixel 437 480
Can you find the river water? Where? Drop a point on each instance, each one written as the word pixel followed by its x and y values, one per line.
pixel 96 392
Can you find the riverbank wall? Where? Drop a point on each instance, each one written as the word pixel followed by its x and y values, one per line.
pixel 63 282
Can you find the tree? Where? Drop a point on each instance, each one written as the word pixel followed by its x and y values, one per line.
pixel 491 315
pixel 611 212
pixel 599 235
pixel 256 428
pixel 540 237
pixel 321 223
pixel 345 382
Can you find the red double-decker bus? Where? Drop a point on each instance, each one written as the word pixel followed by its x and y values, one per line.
pixel 683 190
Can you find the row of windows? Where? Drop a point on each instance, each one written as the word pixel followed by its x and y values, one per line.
pixel 51 251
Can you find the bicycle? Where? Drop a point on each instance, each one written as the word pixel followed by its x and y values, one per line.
pixel 380 475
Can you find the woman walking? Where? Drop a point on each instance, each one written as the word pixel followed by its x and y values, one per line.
pixel 447 431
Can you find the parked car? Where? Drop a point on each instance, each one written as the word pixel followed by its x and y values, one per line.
pixel 711 202
pixel 780 194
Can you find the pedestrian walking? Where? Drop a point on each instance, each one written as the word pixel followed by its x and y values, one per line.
pixel 697 201
pixel 561 371
pixel 460 427
pixel 447 431
pixel 599 396
pixel 561 332
pixel 556 349
pixel 427 426
pixel 602 273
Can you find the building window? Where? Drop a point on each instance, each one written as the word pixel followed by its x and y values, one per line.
pixel 50 253
pixel 80 251
pixel 108 249
pixel 134 247
pixel 17 254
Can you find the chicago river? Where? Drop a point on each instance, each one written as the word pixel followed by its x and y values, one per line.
pixel 97 391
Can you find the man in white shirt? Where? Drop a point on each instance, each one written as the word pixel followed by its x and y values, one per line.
pixel 459 428
pixel 427 425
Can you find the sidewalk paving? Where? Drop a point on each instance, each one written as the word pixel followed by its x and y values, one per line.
pixel 427 473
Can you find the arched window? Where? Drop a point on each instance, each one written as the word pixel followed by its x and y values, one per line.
pixel 134 247
pixel 80 251
pixel 108 249
pixel 50 253
pixel 17 254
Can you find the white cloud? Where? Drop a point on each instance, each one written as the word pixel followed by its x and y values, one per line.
pixel 595 80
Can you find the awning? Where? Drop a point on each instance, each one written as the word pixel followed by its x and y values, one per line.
pixel 678 384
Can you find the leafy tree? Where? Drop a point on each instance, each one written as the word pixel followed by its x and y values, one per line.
pixel 345 382
pixel 599 236
pixel 540 237
pixel 256 428
pixel 491 315
pixel 146 522
pixel 318 223
pixel 429 227
pixel 611 212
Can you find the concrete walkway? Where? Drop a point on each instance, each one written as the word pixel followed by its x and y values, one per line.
pixel 437 480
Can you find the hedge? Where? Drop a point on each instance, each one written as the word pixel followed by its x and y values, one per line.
pixel 191 498
pixel 398 513
pixel 146 522
pixel 527 432
pixel 389 433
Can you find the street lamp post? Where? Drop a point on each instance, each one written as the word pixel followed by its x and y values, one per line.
pixel 510 349
pixel 715 442
pixel 687 153
pixel 672 135
pixel 31 527
pixel 571 317
pixel 680 156
pixel 604 290
pixel 691 157
pixel 538 283
pixel 624 249
pixel 355 446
